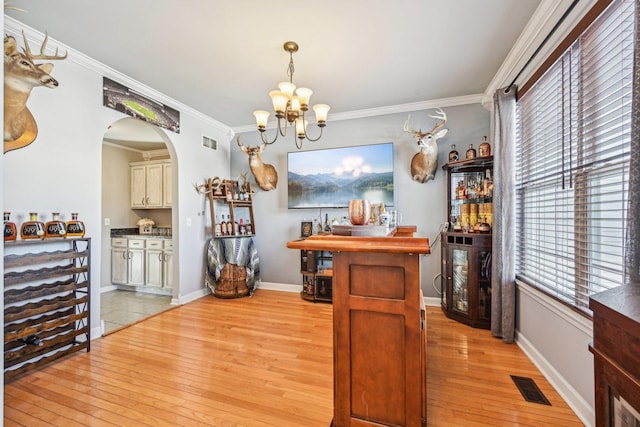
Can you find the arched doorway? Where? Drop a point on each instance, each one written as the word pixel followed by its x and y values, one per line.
pixel 136 270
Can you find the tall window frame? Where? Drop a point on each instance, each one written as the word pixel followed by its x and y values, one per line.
pixel 573 135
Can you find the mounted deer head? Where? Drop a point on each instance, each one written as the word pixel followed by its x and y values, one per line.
pixel 425 162
pixel 265 175
pixel 21 75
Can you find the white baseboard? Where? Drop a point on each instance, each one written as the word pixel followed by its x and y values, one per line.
pixel 581 407
pixel 284 287
pixel 108 288
pixel 96 333
pixel 184 299
pixel 432 301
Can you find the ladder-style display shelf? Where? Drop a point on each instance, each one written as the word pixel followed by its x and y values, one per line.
pixel 46 302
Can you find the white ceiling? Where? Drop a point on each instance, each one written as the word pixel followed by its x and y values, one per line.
pixel 223 57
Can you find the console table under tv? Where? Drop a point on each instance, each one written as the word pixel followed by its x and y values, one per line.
pixel 379 328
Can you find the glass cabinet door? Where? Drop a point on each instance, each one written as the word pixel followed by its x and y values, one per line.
pixel 484 285
pixel 460 280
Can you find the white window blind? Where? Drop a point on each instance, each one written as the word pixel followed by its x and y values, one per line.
pixel 572 164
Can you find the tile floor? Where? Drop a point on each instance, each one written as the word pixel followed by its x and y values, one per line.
pixel 120 308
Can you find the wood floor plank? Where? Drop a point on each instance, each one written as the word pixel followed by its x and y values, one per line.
pixel 264 361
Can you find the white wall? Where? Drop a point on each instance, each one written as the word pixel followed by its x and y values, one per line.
pixel 423 205
pixel 557 340
pixel 61 169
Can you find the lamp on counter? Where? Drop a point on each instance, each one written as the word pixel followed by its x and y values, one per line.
pixel 291 108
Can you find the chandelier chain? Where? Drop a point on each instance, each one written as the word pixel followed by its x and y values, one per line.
pixel 291 68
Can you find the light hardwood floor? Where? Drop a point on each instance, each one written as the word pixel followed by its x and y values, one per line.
pixel 263 361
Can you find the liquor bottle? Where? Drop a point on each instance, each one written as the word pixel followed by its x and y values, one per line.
pixel 242 228
pixel 471 152
pixel 10 230
pixel 327 226
pixel 485 148
pixel 217 229
pixel 453 154
pixel 461 191
pixel 55 227
pixel 248 226
pixel 32 229
pixel 75 228
pixel 229 226
pixel 488 184
pixel 236 227
pixel 223 227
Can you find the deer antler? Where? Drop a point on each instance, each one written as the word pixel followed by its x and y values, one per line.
pixel 442 116
pixel 31 57
pixel 418 134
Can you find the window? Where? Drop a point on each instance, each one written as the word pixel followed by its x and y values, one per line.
pixel 572 164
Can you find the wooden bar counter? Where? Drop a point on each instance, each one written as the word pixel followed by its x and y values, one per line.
pixel 379 344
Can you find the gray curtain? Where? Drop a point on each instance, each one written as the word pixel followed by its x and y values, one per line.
pixel 503 305
pixel 633 216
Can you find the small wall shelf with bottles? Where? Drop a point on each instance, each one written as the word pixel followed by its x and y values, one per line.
pixel 236 199
pixel 466 245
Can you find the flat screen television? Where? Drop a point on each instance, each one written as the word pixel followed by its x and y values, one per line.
pixel 329 178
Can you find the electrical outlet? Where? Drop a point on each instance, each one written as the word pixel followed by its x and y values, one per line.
pixel 188 222
pixel 107 221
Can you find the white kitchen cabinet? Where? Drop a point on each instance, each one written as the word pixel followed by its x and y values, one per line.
pixel 127 261
pixel 119 254
pixel 154 263
pixel 135 262
pixel 146 263
pixel 151 184
pixel 159 266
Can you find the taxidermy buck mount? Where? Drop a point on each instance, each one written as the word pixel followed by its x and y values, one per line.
pixel 425 162
pixel 21 75
pixel 265 175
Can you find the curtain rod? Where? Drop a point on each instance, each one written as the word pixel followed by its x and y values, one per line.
pixel 546 39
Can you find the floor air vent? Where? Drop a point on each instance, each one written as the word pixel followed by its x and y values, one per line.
pixel 530 390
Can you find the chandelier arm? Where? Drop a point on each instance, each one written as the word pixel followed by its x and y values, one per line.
pixel 280 129
pixel 312 139
pixel 298 142
pixel 275 138
pixel 263 136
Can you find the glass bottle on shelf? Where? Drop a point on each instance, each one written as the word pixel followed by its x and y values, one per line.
pixel 471 152
pixel 32 229
pixel 229 226
pixel 10 229
pixel 453 154
pixel 75 228
pixel 461 191
pixel 218 228
pixel 55 227
pixel 241 228
pixel 223 227
pixel 485 148
pixel 488 184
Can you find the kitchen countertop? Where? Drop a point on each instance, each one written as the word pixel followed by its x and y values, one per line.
pixel 141 236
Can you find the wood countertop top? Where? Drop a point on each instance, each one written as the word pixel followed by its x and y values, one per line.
pixel 391 244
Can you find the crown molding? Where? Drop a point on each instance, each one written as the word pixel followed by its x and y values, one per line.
pixel 14 27
pixel 539 26
pixel 382 111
